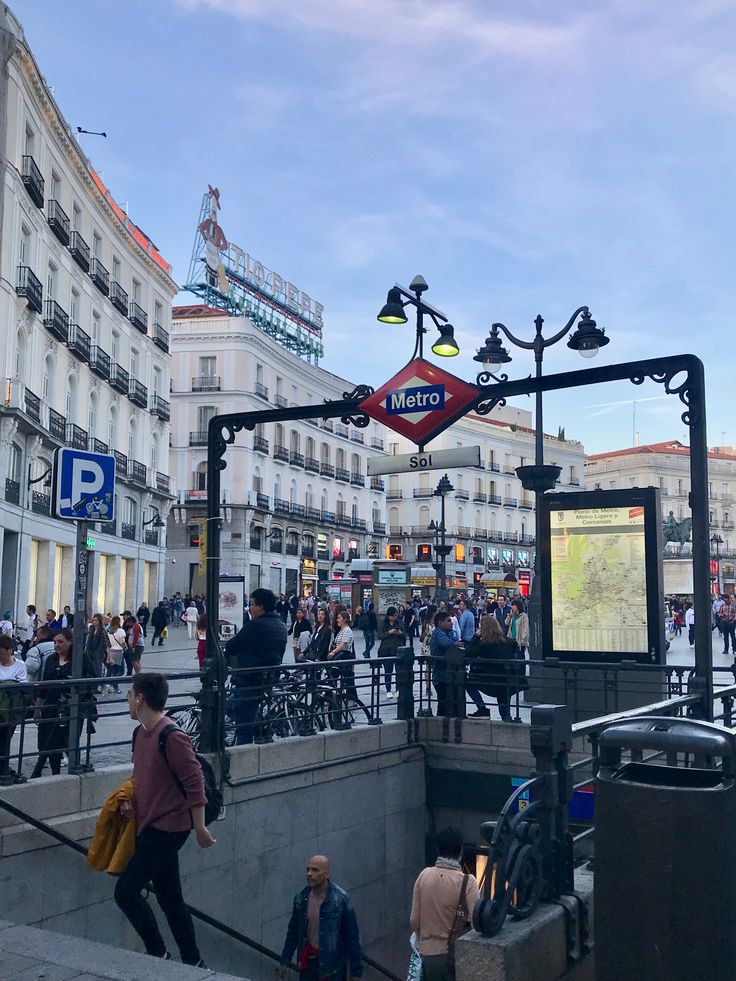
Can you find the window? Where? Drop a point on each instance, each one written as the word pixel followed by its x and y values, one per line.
pixel 76 218
pixel 256 537
pixel 277 540
pixel 340 459
pixel 96 246
pixel 51 281
pixel 55 187
pixel 92 416
pixel 20 354
pixel 116 269
pixel 193 536
pixel 14 463
pixel 24 249
pixel 459 553
pixel 95 327
pixel 74 307
pixel 325 453
pixel 115 346
pixel 208 367
pixel 393 449
pixel 393 551
pixel 294 441
pixel 309 497
pixel 30 141
pixel 112 429
pixel 71 399
pixel 156 384
pixel 154 453
pixel 424 553
pixel 204 414
pixel 292 493
pixel 355 463
pixel 158 314
pixel 132 439
pixel 130 510
pixel 355 510
pixel 136 291
pixel 257 481
pixel 353 550
pixel 133 363
pixel 259 374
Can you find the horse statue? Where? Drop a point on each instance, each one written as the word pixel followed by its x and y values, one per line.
pixel 677 532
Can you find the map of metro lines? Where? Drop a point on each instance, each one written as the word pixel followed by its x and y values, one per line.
pixel 598 582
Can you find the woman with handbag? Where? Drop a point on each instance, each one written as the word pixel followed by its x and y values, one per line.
pixel 97 646
pixel 321 639
pixel 116 653
pixel 442 906
pixel 342 650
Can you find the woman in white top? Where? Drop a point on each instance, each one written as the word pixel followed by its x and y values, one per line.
pixel 191 615
pixel 342 650
pixel 115 655
pixel 12 670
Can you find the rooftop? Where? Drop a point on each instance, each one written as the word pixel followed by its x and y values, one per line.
pixel 673 447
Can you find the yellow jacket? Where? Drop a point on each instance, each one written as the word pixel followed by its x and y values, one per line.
pixel 114 841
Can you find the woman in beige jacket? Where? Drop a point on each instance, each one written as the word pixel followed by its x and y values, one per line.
pixel 517 625
pixel 435 902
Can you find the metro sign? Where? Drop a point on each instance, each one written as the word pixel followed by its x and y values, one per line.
pixel 420 401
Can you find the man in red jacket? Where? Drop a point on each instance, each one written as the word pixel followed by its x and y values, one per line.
pixel 168 801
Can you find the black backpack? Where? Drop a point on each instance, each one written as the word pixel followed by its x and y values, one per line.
pixel 214 806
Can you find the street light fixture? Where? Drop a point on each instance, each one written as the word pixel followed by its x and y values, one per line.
pixel 393 312
pixel 717 541
pixel 588 339
pixel 443 488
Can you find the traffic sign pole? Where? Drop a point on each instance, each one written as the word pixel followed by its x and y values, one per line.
pixel 81 579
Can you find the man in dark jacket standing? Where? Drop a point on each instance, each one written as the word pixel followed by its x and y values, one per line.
pixel 323 930
pixel 159 620
pixel 144 615
pixel 260 643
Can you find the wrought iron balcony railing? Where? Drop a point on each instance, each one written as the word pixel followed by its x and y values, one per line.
pixel 326 470
pixel 57 425
pixel 119 379
pixel 99 276
pixel 206 383
pixel 311 464
pixel 261 391
pixel 12 491
pixel 260 444
pixel 97 446
pixel 79 342
pixel 56 321
pixel 163 483
pixel 138 317
pixel 127 531
pixel 342 474
pixel 160 336
pixel 198 438
pixel 29 286
pixel 119 298
pixel 121 464
pixel 99 362
pixel 137 472
pixel 76 436
pixel 296 459
pixel 138 393
pixel 32 179
pixel 32 405
pixel 58 221
pixel 79 250
pixel 161 408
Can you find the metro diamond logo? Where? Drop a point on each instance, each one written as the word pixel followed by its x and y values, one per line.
pixel 420 401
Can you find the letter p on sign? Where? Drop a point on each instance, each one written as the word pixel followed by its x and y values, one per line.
pixel 84 485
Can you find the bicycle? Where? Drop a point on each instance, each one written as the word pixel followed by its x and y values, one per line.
pixel 189 719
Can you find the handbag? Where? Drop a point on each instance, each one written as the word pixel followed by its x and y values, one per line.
pixel 460 926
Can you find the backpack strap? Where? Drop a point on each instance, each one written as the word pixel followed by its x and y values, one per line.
pixel 162 737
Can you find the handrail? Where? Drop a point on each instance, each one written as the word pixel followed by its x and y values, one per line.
pixel 63 839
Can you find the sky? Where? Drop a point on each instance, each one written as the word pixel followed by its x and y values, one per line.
pixel 524 158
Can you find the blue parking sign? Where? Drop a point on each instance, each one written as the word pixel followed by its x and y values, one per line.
pixel 84 485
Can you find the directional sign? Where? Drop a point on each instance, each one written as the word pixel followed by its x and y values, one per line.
pixel 84 485
pixel 462 456
pixel 420 401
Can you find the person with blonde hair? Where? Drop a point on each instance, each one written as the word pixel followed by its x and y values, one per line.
pixel 492 672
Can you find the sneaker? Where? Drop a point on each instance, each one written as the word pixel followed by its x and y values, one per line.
pixel 479 714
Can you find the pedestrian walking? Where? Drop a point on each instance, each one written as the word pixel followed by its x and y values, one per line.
pixel 368 623
pixel 201 639
pixel 690 623
pixel 323 930
pixel 159 622
pixel 442 905
pixel 97 645
pixel 144 615
pixel 12 702
pixel 168 802
pixel 191 615
pixel 115 662
pixel 727 622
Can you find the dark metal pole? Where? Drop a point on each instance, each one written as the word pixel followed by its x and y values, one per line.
pixel 80 632
pixel 535 598
pixel 700 535
pixel 215 735
pixel 444 543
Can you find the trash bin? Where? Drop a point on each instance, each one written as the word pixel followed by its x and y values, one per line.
pixel 665 852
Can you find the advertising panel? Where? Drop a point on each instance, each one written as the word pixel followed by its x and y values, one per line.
pixel 230 613
pixel 602 587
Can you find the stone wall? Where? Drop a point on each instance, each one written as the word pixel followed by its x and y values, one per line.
pixel 357 796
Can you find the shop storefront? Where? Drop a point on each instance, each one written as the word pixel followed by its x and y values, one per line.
pixel 308 577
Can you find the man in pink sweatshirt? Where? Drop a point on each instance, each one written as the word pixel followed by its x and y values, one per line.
pixel 168 801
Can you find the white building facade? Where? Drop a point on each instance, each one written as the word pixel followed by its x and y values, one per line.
pixel 297 504
pixel 667 466
pixel 86 300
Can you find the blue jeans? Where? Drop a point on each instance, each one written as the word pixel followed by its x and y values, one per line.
pixel 243 709
pixel 370 639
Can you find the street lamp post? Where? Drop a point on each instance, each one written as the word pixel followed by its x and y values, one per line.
pixel 393 312
pixel 443 549
pixel 587 339
pixel 717 541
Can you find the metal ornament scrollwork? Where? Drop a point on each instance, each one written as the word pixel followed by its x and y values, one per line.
pixel 487 403
pixel 226 437
pixel 358 419
pixel 684 391
pixel 513 882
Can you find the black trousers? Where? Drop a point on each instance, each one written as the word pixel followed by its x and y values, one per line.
pixel 727 630
pixel 157 635
pixel 156 860
pixel 388 670
pixel 6 736
pixel 53 741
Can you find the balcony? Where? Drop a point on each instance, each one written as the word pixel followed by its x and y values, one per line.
pixel 40 502
pixel 311 464
pixel 29 286
pixel 463 531
pixel 79 342
pixel 342 474
pixel 99 276
pixel 79 251
pixel 511 536
pixel 395 530
pixel 56 321
pixel 357 437
pixel 357 480
pixel 509 470
pixel 260 444
pixel 342 519
pixel 206 383
pixel 121 464
pixel 481 534
pixel 119 298
pixel 150 537
pixel 76 436
pixel 495 467
pixel 526 505
pixel 198 438
pixel 160 337
pixel 423 492
pixel 58 221
pixel 279 400
pixel 328 425
pixel 32 405
pixel 392 494
pixel 328 517
pixel 510 502
pixel 276 545
pixel 527 539
pixel 376 444
pixel 338 556
pixel 494 498
pixel 196 494
pixel 461 494
pixel 379 528
pixel 119 379
pixel 137 472
pixel 97 446
pixel 163 484
pixel 296 459
pixel 138 317
pixel 263 501
pixel 12 491
pixel 161 408
pixel 57 425
pixel 32 179
pixel 138 393
pixel 359 524
pixel 298 510
pixel 261 391
pixel 326 470
pixel 280 506
pixel 127 531
pixel 494 536
pixel 291 548
pixel 281 453
pixel 99 362
pixel 479 497
pixel 313 514
pixel 307 551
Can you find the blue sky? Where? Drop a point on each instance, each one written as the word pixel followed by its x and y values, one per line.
pixel 525 158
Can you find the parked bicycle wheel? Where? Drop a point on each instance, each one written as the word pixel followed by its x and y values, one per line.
pixel 188 719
